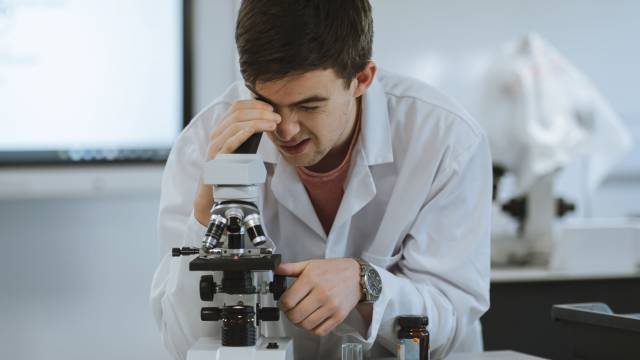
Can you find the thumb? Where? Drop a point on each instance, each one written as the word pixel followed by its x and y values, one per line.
pixel 291 269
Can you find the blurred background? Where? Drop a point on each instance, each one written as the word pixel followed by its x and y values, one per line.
pixel 93 93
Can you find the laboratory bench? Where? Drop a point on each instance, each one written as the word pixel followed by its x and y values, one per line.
pixel 521 301
pixel 486 355
pixel 492 355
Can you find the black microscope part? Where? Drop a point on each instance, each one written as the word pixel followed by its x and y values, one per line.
pixel 250 146
pixel 235 224
pixel 207 288
pixel 268 314
pixel 238 327
pixel 237 282
pixel 235 241
pixel 184 251
pixel 260 263
pixel 210 314
pixel 278 286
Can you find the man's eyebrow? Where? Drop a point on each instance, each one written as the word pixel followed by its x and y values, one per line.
pixel 310 99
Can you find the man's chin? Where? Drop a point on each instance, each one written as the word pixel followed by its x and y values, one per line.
pixel 300 160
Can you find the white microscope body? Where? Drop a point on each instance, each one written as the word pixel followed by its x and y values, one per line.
pixel 236 245
pixel 536 214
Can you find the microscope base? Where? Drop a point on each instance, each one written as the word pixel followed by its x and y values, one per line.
pixel 212 349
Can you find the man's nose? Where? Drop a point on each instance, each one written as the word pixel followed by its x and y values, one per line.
pixel 288 127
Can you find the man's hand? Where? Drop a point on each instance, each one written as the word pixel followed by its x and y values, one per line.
pixel 323 294
pixel 243 119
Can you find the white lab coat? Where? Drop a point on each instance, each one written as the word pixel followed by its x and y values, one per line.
pixel 417 205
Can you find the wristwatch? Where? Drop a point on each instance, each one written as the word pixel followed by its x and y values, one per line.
pixel 370 282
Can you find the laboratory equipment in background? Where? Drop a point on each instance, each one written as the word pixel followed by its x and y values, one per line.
pixel 542 115
pixel 596 332
pixel 236 245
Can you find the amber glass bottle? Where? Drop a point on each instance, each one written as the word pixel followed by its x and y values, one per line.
pixel 413 334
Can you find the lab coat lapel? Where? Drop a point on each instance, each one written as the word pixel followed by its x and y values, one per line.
pixel 290 192
pixel 359 191
pixel 374 147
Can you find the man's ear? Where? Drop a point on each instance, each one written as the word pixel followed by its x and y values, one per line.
pixel 364 78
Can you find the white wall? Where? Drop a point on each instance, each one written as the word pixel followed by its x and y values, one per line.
pixel 214 50
pixel 446 43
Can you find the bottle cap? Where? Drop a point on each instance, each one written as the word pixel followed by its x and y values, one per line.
pixel 412 320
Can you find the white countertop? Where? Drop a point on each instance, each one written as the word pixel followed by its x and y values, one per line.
pixel 488 355
pixel 493 355
pixel 525 274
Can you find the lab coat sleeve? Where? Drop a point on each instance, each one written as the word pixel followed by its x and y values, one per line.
pixel 174 296
pixel 444 268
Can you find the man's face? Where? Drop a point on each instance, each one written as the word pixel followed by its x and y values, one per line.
pixel 317 111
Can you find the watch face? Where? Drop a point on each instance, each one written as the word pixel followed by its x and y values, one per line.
pixel 373 282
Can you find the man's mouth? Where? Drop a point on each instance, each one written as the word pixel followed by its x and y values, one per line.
pixel 294 148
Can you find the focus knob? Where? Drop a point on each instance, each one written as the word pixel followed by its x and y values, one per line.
pixel 278 286
pixel 268 314
pixel 207 288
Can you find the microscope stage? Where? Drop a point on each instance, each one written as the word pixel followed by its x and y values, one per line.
pixel 242 263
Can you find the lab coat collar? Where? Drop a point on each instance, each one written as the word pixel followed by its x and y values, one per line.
pixel 373 148
pixel 375 135
pixel 360 189
pixel 290 192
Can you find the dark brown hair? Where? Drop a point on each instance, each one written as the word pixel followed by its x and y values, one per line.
pixel 277 38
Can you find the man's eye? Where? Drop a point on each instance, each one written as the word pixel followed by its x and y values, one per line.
pixel 309 108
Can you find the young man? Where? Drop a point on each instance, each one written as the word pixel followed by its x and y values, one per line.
pixel 366 172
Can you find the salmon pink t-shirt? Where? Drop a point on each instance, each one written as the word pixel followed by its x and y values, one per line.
pixel 326 189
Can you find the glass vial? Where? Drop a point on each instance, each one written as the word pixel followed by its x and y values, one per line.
pixel 351 351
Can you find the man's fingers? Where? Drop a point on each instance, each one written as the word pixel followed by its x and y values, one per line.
pixel 294 294
pixel 325 328
pixel 235 141
pixel 243 116
pixel 251 104
pixel 316 318
pixel 242 135
pixel 235 134
pixel 305 308
pixel 291 269
pixel 252 126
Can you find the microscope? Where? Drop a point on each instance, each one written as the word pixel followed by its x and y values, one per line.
pixel 236 246
pixel 536 214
